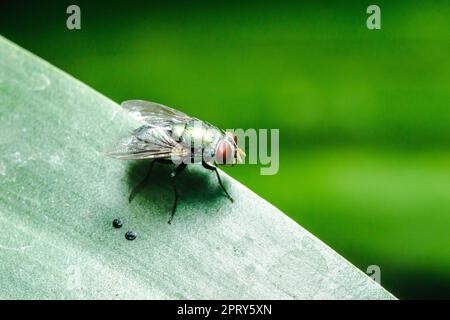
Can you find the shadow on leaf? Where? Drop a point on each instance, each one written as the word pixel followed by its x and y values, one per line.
pixel 198 187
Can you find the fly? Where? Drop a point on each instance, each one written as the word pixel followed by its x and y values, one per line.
pixel 170 136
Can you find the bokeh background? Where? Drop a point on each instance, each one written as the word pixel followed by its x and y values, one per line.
pixel 363 115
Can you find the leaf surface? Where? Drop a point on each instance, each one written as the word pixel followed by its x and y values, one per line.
pixel 59 194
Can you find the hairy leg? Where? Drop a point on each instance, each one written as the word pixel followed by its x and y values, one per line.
pixel 210 167
pixel 141 184
pixel 173 175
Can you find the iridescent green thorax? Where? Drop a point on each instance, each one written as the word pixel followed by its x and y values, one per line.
pixel 197 135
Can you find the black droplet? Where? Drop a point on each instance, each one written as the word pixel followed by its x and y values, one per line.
pixel 130 235
pixel 117 223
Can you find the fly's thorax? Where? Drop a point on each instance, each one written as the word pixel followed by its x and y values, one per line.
pixel 178 131
pixel 199 135
pixel 210 141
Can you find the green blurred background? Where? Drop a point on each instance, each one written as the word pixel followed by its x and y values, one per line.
pixel 363 115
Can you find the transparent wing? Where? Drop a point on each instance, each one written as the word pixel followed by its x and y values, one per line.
pixel 155 114
pixel 147 142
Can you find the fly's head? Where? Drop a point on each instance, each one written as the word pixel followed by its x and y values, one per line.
pixel 227 152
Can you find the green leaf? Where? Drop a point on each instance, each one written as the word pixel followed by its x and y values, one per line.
pixel 59 194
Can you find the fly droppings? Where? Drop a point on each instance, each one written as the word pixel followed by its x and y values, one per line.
pixel 130 235
pixel 117 223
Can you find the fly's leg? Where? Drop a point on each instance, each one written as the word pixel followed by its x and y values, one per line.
pixel 173 175
pixel 210 167
pixel 141 184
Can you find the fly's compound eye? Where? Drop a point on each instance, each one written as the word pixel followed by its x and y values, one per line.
pixel 224 152
pixel 232 136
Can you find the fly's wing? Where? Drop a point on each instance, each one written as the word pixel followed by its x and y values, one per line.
pixel 155 114
pixel 148 142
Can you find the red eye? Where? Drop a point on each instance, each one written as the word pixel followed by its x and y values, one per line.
pixel 232 136
pixel 224 153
